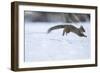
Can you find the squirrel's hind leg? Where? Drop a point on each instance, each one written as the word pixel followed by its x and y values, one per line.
pixel 64 32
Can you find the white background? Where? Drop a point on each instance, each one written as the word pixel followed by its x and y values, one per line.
pixel 5 38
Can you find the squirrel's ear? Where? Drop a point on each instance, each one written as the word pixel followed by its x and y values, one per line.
pixel 81 28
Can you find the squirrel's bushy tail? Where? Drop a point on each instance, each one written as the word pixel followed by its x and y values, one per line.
pixel 56 27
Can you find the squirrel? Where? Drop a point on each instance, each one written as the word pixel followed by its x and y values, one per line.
pixel 69 28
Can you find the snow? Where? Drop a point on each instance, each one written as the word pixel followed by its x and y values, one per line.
pixel 41 46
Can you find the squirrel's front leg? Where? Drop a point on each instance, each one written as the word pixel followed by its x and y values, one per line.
pixel 64 31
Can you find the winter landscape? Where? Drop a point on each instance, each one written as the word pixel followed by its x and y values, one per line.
pixel 43 46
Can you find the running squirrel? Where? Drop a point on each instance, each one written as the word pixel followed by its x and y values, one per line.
pixel 69 28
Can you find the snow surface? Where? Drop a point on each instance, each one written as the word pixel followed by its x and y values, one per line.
pixel 41 46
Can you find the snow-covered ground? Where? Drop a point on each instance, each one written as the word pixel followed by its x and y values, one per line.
pixel 41 46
